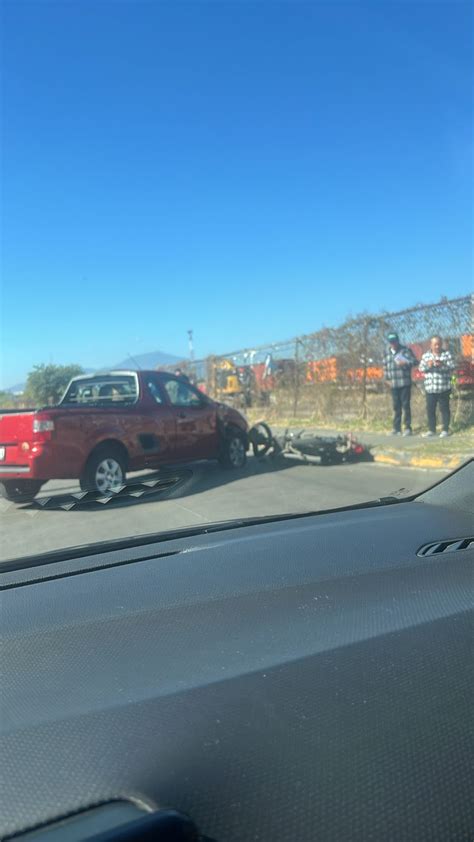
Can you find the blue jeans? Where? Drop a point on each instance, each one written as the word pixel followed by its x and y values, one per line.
pixel 401 403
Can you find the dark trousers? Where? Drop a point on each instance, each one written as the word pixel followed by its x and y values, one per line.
pixel 432 401
pixel 401 401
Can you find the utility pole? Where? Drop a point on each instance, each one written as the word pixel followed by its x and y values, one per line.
pixel 191 354
pixel 191 346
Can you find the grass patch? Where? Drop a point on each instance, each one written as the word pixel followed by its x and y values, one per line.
pixel 456 445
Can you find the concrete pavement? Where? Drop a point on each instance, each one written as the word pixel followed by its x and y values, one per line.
pixel 211 494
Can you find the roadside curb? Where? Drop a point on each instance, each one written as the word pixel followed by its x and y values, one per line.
pixel 406 460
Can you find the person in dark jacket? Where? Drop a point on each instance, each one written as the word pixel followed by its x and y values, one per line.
pixel 398 363
pixel 182 376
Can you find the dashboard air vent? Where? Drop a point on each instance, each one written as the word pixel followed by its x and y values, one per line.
pixel 452 546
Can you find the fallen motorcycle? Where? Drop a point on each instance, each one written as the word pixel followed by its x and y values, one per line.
pixel 330 450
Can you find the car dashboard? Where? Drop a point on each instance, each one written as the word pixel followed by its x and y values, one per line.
pixel 304 679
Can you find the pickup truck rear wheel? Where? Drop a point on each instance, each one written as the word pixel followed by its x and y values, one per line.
pixel 233 450
pixel 19 490
pixel 104 472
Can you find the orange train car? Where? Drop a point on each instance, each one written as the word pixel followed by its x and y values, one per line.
pixel 467 346
pixel 331 369
pixel 323 371
pixel 374 374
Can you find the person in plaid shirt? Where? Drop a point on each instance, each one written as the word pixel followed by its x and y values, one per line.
pixel 437 366
pixel 398 363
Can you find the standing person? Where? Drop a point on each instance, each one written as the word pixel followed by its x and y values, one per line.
pixel 398 363
pixel 437 366
pixel 182 376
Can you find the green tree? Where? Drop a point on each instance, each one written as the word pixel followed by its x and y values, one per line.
pixel 7 400
pixel 46 383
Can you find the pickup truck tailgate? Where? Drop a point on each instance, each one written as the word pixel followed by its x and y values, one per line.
pixel 16 427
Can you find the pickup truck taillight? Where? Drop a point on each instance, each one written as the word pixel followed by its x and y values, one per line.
pixel 43 429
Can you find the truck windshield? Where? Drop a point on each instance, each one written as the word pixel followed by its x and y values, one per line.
pixel 104 390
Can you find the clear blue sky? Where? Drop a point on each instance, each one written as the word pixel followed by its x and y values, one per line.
pixel 175 165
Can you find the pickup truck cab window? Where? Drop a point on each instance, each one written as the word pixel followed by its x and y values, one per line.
pixel 104 390
pixel 154 389
pixel 182 394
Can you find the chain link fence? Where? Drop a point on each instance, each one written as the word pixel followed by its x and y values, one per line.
pixel 335 375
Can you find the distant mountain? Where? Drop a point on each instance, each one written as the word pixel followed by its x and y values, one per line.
pixel 17 389
pixel 148 361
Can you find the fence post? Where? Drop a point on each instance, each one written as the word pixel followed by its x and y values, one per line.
pixel 296 379
pixel 365 340
pixel 211 376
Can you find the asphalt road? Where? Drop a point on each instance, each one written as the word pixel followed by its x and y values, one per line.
pixel 210 495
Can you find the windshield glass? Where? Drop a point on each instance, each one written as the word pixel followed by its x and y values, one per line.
pixel 236 264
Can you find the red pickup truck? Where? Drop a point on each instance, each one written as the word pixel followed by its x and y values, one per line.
pixel 108 424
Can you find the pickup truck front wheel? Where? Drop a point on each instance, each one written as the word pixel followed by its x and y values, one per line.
pixel 104 472
pixel 233 450
pixel 19 490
